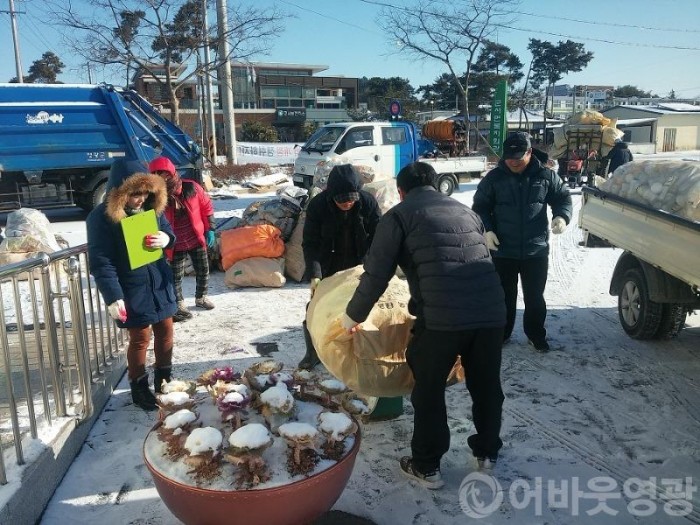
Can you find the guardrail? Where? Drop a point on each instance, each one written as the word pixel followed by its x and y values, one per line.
pixel 56 341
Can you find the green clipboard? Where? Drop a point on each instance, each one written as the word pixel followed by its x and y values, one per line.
pixel 135 228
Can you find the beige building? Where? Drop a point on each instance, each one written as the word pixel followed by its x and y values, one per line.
pixel 667 126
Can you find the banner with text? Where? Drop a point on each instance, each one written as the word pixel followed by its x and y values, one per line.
pixel 499 110
pixel 273 153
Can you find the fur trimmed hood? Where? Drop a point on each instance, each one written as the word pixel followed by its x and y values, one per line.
pixel 118 196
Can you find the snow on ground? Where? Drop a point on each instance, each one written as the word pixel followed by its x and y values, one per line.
pixel 603 429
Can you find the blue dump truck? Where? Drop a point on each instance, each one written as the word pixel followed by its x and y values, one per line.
pixel 58 141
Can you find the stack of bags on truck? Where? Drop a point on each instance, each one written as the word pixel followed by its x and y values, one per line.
pixel 669 185
pixel 586 118
pixel 252 252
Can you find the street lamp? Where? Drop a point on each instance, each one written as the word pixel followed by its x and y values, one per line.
pixel 432 106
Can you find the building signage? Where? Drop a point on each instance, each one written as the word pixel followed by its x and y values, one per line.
pixel 291 115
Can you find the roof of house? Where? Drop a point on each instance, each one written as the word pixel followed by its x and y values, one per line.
pixel 666 108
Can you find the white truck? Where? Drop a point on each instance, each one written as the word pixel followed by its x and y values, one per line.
pixel 657 277
pixel 386 147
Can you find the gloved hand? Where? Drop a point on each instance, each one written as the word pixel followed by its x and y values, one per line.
pixel 117 310
pixel 492 242
pixel 313 284
pixel 157 240
pixel 348 324
pixel 558 225
pixel 211 238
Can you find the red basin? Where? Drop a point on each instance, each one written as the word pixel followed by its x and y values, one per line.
pixel 297 503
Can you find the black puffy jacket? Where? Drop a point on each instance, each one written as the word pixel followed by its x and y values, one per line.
pixel 514 207
pixel 438 243
pixel 329 231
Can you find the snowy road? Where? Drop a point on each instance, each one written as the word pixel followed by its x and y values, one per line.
pixel 584 425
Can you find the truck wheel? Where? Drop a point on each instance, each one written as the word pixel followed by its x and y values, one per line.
pixel 98 195
pixel 446 184
pixel 639 316
pixel 672 321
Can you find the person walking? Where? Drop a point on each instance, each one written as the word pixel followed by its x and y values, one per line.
pixel 459 306
pixel 191 214
pixel 619 154
pixel 141 300
pixel 339 228
pixel 512 202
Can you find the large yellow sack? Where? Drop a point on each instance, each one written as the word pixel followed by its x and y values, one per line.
pixel 261 272
pixel 373 360
pixel 295 266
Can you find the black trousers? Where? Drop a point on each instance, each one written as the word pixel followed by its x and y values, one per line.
pixel 533 278
pixel 431 355
pixel 200 262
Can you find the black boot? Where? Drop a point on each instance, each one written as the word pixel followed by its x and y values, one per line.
pixel 310 359
pixel 161 374
pixel 142 395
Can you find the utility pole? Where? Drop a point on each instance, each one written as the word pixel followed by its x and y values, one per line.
pixel 211 139
pixel 89 72
pixel 225 83
pixel 15 40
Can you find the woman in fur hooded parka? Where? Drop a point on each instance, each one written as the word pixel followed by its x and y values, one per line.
pixel 141 299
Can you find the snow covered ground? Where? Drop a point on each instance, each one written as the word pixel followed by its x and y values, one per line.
pixel 603 429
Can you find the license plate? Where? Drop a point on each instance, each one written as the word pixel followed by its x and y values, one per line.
pixel 298 178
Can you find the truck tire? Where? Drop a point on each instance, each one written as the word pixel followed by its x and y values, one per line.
pixel 672 321
pixel 447 184
pixel 97 196
pixel 639 316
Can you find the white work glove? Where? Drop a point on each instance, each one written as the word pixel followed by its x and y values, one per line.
pixel 492 241
pixel 157 240
pixel 313 284
pixel 558 225
pixel 117 310
pixel 348 324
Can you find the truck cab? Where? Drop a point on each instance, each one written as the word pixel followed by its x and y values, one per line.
pixel 386 147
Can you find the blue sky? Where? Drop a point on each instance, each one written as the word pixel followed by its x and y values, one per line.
pixel 656 45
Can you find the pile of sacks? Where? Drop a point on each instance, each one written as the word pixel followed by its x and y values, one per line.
pixel 669 185
pixel 264 246
pixel 252 249
pixel 586 118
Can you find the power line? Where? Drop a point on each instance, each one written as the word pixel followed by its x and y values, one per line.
pixel 603 40
pixel 344 22
pixel 586 38
pixel 596 23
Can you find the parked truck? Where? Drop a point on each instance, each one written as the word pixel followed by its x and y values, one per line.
pixel 657 277
pixel 386 147
pixel 57 142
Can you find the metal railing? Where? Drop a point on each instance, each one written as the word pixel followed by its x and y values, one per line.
pixel 56 341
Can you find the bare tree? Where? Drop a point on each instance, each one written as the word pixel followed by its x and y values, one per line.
pixel 163 38
pixel 450 32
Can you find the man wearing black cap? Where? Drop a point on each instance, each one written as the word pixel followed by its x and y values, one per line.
pixel 339 227
pixel 512 202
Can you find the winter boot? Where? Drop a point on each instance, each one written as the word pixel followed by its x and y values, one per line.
pixel 142 395
pixel 182 314
pixel 161 374
pixel 204 303
pixel 310 359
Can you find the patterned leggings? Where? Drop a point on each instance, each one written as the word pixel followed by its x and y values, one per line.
pixel 200 261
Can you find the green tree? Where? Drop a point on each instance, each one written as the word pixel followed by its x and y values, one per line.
pixel 252 131
pixel 378 92
pixel 628 91
pixel 551 62
pixel 45 70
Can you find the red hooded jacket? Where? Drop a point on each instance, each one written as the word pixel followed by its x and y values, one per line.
pixel 199 210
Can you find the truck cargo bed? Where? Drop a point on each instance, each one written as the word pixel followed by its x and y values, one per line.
pixel 666 241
